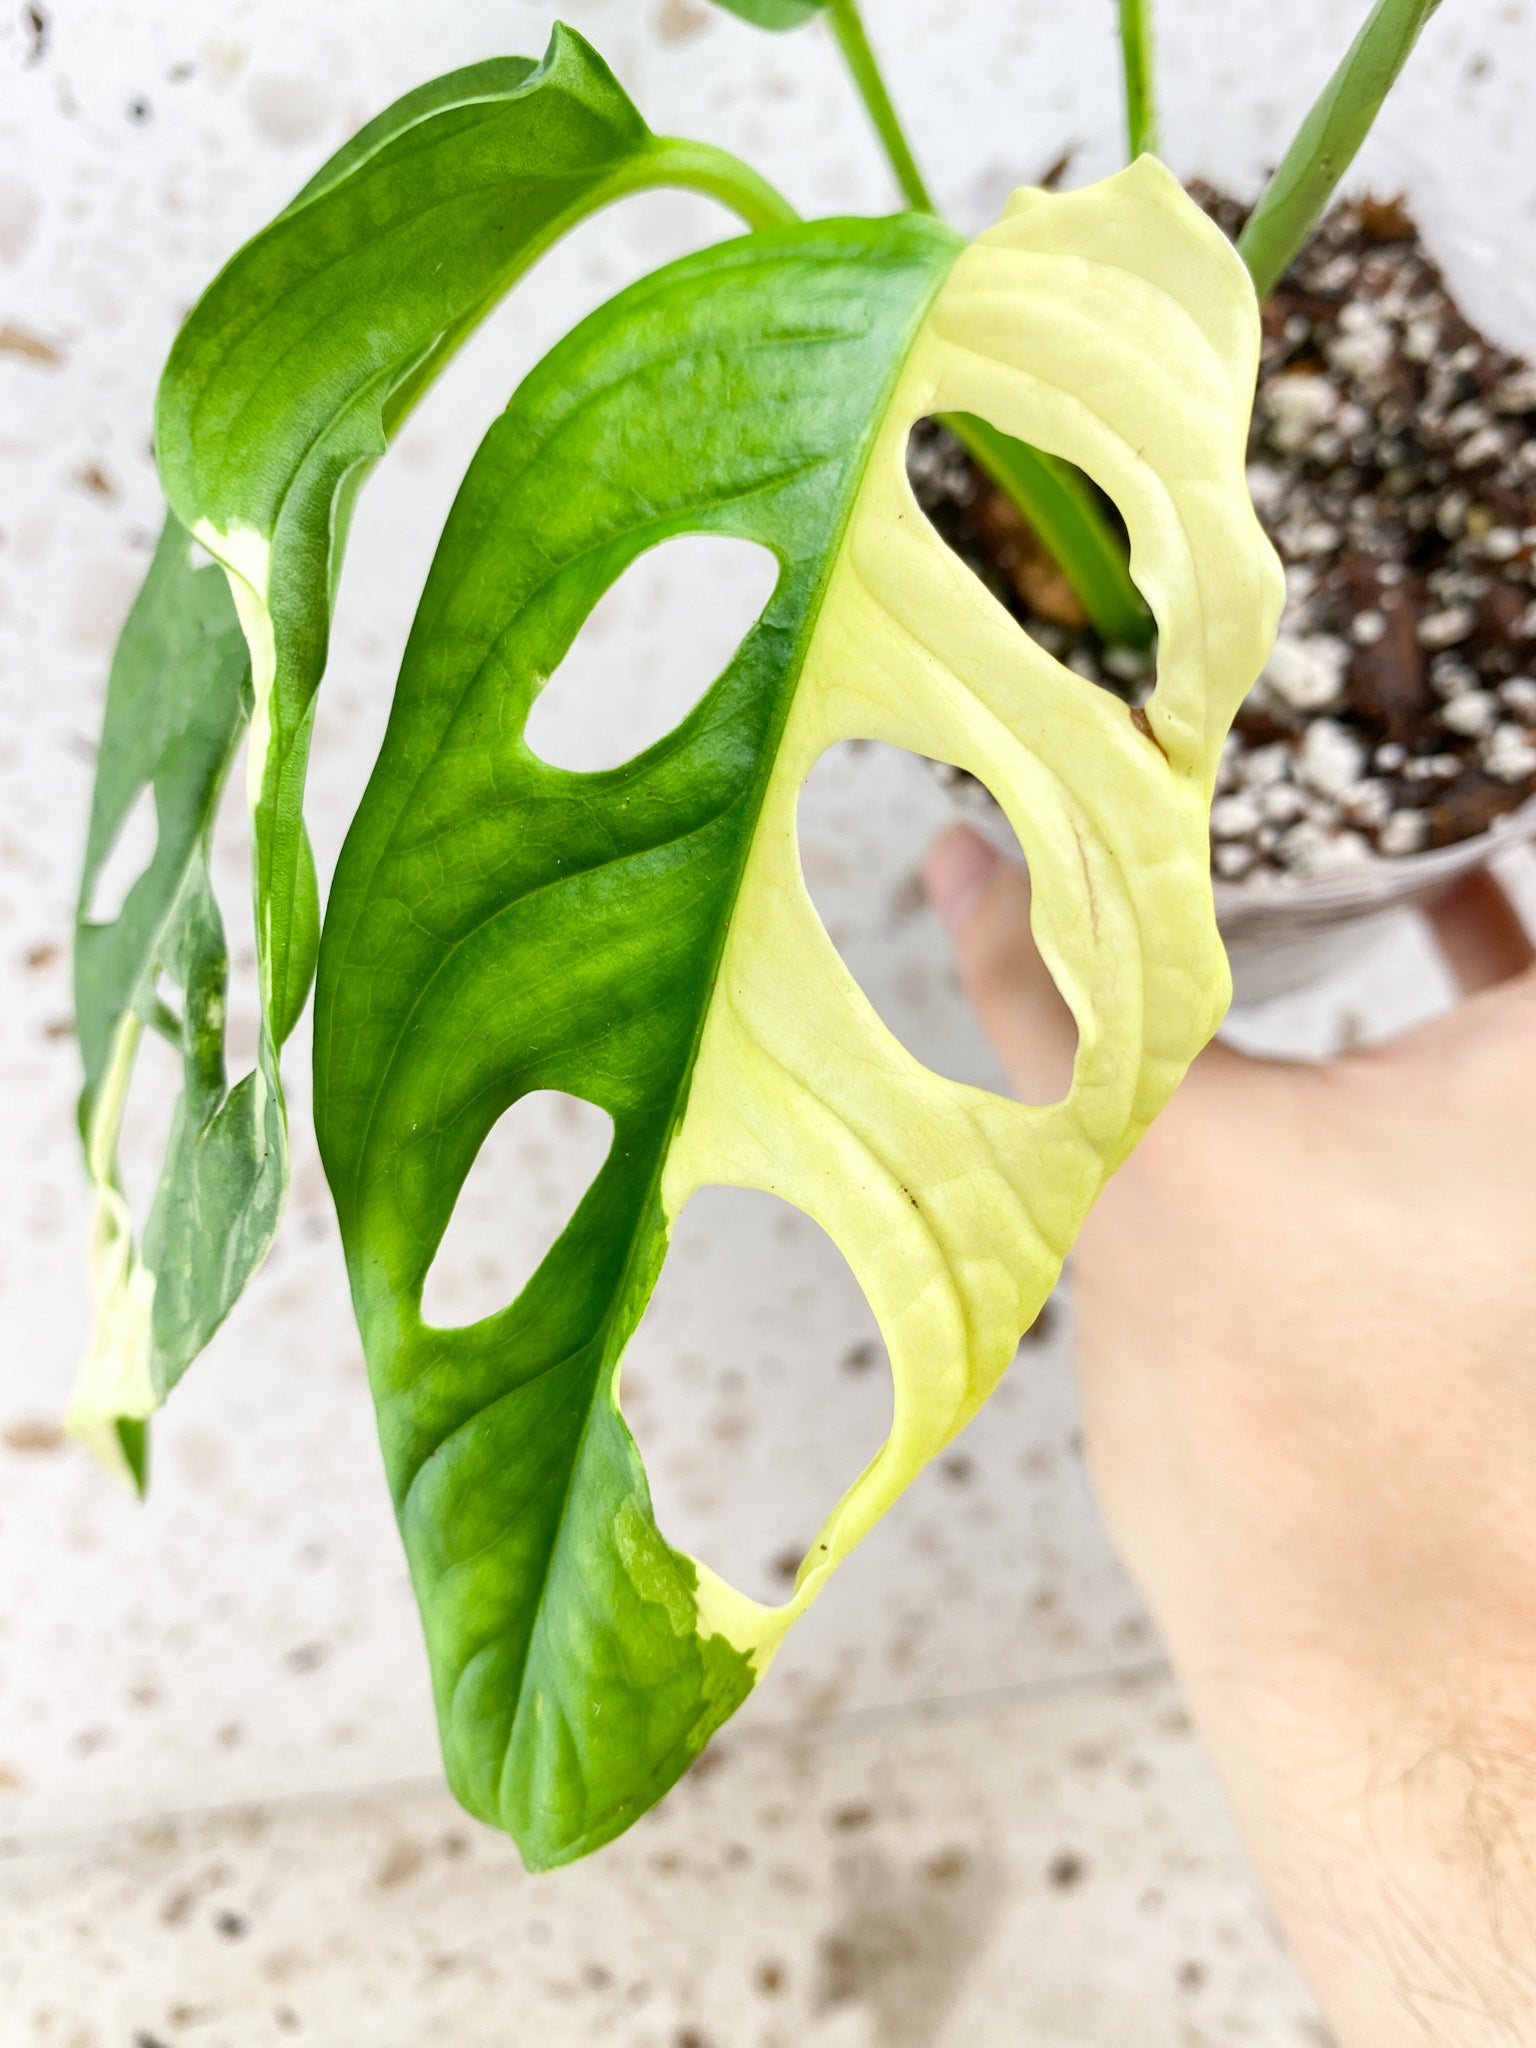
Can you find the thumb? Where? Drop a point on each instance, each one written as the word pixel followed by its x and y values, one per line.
pixel 983 902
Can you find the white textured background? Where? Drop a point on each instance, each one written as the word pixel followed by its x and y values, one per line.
pixel 965 1807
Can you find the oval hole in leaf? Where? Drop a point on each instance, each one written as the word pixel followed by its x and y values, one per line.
pixel 130 854
pixel 757 1386
pixel 649 649
pixel 537 1162
pixel 983 526
pixel 868 813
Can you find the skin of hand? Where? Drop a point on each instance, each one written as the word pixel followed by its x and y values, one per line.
pixel 1306 1347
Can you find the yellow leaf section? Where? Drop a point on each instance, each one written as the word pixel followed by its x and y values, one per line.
pixel 1114 327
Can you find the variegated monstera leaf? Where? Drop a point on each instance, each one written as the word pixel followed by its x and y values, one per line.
pixel 642 937
pixel 292 375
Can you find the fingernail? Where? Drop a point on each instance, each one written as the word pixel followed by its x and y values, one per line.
pixel 957 872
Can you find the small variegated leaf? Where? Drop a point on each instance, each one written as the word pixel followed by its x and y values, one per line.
pixel 283 388
pixel 175 710
pixel 642 937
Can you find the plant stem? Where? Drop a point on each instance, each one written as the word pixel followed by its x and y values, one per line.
pixel 1136 62
pixel 849 30
pixel 1327 140
pixel 703 168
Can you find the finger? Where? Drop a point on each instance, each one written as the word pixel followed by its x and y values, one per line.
pixel 983 901
pixel 1479 933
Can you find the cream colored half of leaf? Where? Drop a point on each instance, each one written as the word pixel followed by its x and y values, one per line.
pixel 1116 328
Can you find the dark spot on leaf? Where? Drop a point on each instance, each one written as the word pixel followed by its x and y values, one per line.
pixel 1191 1976
pixel 143 2040
pixel 787 1562
pixel 59 1027
pixel 1143 725
pixel 595 1977
pixel 959 1470
pixel 847 1818
pixel 769 1977
pixel 947 1866
pixel 690 2037
pixel 231 1925
pixel 39 28
pixel 1065 1870
pixel 858 1358
pixel 139 111
pixel 307 1657
pixel 40 956
pixel 94 478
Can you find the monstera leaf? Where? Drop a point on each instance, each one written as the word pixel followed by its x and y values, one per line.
pixel 284 387
pixel 642 937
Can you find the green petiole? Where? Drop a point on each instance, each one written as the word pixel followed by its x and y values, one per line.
pixel 1136 62
pixel 1327 140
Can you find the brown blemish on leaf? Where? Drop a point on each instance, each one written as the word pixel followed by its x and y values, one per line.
pixel 1143 725
pixel 94 478
pixel 41 955
pixel 11 1779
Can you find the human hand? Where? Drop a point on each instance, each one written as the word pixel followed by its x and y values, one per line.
pixel 1306 1346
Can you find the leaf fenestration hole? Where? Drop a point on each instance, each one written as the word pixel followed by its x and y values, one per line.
pixel 757 1386
pixel 536 1163
pixel 649 650
pixel 131 851
pixel 867 814
pixel 984 526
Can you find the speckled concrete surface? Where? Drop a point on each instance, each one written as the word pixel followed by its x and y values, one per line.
pixel 247 1639
pixel 1049 1871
